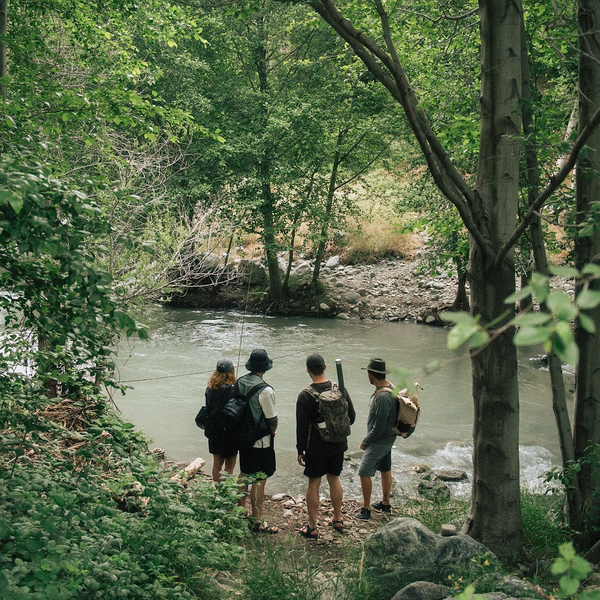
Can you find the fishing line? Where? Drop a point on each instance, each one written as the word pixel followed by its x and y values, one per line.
pixel 296 352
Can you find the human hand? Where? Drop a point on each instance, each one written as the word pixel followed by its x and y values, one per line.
pixel 301 460
pixel 362 446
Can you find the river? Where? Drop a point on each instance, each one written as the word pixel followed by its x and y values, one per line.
pixel 167 376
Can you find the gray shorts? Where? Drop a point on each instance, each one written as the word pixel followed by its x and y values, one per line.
pixel 377 457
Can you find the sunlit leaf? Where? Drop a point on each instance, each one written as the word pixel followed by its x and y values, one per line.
pixel 587 299
pixel 521 294
pixel 564 271
pixel 562 306
pixel 532 319
pixel 529 336
pixel 587 323
pixel 540 284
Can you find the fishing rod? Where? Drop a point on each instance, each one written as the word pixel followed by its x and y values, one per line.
pixel 340 375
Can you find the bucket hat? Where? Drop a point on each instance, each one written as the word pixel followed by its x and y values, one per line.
pixel 377 365
pixel 224 365
pixel 259 361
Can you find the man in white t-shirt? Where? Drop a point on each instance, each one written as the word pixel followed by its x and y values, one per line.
pixel 259 458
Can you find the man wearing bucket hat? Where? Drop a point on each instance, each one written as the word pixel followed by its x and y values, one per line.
pixel 379 440
pixel 260 458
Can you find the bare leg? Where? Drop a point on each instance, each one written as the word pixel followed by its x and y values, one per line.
pixel 230 464
pixel 337 495
pixel 366 485
pixel 312 500
pixel 386 485
pixel 217 467
pixel 257 498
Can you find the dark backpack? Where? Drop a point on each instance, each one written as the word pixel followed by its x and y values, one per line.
pixel 409 412
pixel 334 422
pixel 236 423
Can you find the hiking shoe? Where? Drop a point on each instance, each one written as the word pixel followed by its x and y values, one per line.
pixel 364 513
pixel 382 507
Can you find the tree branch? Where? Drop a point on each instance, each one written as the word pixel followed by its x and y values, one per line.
pixel 555 182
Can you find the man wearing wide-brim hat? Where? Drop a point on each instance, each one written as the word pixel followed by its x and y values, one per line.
pixel 379 440
pixel 260 458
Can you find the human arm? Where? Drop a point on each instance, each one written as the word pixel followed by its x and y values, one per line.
pixel 266 399
pixel 377 422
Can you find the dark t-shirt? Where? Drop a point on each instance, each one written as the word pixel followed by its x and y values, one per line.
pixel 307 414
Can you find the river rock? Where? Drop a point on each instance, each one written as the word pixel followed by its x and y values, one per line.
pixel 404 550
pixel 333 262
pixel 342 316
pixel 451 475
pixel 423 590
pixel 352 297
pixel 253 272
pixel 435 490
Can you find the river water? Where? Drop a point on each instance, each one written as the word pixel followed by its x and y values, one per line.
pixel 167 376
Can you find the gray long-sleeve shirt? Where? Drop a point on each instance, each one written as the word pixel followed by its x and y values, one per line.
pixel 382 417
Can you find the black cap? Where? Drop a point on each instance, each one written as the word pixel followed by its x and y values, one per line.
pixel 377 365
pixel 224 365
pixel 259 361
pixel 314 362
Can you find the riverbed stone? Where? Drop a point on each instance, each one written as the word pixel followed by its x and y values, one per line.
pixel 333 262
pixel 405 551
pixel 435 490
pixel 423 590
pixel 352 297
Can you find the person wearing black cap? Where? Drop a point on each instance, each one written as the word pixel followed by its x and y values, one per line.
pixel 379 440
pixel 218 391
pixel 317 456
pixel 259 458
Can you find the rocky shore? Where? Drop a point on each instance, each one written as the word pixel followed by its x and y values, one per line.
pixel 391 289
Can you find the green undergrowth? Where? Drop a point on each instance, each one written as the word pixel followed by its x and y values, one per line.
pixel 91 514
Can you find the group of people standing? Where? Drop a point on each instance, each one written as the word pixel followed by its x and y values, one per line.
pixel 318 457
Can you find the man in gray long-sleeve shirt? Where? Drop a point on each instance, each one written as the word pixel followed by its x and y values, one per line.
pixel 379 440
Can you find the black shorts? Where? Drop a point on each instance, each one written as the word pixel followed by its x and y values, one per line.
pixel 257 460
pixel 317 466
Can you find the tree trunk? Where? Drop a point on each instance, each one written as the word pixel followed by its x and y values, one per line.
pixel 328 208
pixel 587 250
pixel 3 33
pixel 496 486
pixel 559 399
pixel 264 169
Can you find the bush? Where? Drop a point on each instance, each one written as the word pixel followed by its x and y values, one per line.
pixel 90 514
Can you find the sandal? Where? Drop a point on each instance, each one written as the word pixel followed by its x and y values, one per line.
pixel 337 525
pixel 262 527
pixel 309 532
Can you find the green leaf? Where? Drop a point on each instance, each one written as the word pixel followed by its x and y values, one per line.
pixel 532 319
pixel 12 198
pixel 568 585
pixel 561 306
pixel 460 334
pixel 587 299
pixel 540 285
pixel 457 317
pixel 587 323
pixel 564 271
pixel 529 336
pixel 591 269
pixel 521 294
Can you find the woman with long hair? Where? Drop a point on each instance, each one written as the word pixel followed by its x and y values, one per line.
pixel 218 391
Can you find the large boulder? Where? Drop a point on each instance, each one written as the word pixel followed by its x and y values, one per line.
pixel 405 551
pixel 253 272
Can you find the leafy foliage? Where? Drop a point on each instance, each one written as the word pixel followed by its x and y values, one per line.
pixel 90 514
pixel 551 326
pixel 59 311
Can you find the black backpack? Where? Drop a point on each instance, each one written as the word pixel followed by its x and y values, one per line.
pixel 236 423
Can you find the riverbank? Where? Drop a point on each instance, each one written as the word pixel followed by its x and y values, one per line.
pixel 391 289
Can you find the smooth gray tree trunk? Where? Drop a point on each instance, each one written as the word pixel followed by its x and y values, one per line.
pixel 587 249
